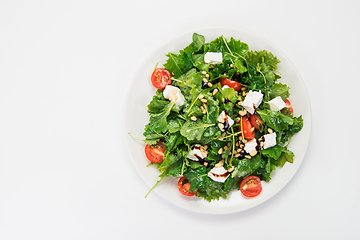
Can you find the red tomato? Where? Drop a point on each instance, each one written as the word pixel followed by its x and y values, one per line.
pixel 255 121
pixel 160 78
pixel 155 153
pixel 249 132
pixel 235 85
pixel 251 186
pixel 288 105
pixel 185 188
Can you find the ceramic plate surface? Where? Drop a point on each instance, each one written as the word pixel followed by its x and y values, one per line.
pixel 136 117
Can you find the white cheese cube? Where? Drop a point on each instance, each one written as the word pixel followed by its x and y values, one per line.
pixel 225 120
pixel 252 99
pixel 270 140
pixel 213 57
pixel 219 174
pixel 276 104
pixel 250 145
pixel 196 153
pixel 174 94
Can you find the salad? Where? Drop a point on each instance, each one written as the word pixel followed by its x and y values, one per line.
pixel 220 119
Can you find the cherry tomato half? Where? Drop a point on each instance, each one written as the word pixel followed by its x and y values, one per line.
pixel 233 84
pixel 288 105
pixel 250 186
pixel 155 153
pixel 255 121
pixel 160 78
pixel 185 188
pixel 249 132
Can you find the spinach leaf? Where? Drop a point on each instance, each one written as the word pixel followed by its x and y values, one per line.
pixel 158 121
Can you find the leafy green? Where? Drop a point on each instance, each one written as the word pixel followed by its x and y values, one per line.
pixel 194 129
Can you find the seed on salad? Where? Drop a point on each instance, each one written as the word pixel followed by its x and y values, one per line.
pixel 231 65
pixel 220 151
pixel 239 103
pixel 230 153
pixel 203 72
pixel 205 147
pixel 270 130
pixel 229 144
pixel 248 156
pixel 215 91
pixel 203 100
pixel 237 155
pixel 219 164
pixel 240 138
pixel 207 75
pixel 205 164
pixel 244 94
pixel 221 126
pixel 225 147
pixel 223 134
pixel 205 80
pixel 201 96
pixel 262 144
pixel 243 88
pixel 210 84
pixel 193 118
pixel 237 144
pixel 253 153
pixel 202 108
pixel 243 112
pixel 240 99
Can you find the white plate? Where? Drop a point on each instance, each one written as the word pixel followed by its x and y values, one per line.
pixel 136 117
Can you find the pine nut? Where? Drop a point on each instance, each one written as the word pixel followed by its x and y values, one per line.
pixel 221 126
pixel 203 100
pixel 220 151
pixel 253 153
pixel 193 118
pixel 210 84
pixel 203 72
pixel 215 91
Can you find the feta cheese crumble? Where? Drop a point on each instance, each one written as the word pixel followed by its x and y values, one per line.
pixel 219 174
pixel 276 104
pixel 270 140
pixel 213 57
pixel 174 94
pixel 226 121
pixel 252 101
pixel 250 145
pixel 196 153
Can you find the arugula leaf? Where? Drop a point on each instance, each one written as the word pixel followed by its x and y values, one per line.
pixel 158 121
pixel 174 125
pixel 286 156
pixel 246 166
pixel 194 129
pixel 275 120
pixel 198 178
pixel 273 152
pixel 279 89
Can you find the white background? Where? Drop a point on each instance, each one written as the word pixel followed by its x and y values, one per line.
pixel 65 67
